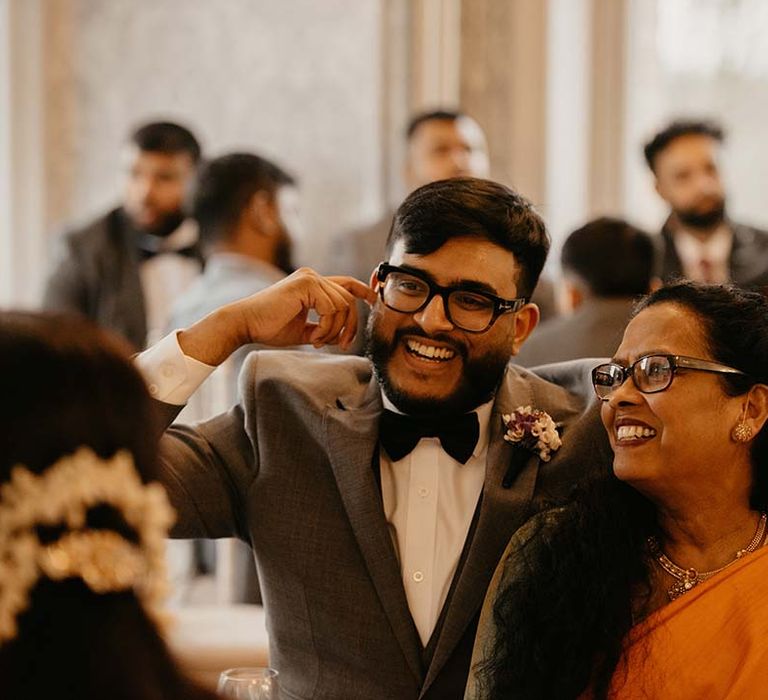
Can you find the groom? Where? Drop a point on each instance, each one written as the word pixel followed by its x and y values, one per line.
pixel 378 494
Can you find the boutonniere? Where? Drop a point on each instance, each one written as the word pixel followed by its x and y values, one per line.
pixel 534 430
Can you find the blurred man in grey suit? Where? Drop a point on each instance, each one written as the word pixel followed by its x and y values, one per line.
pixel 606 265
pixel 698 241
pixel 124 269
pixel 440 144
pixel 378 494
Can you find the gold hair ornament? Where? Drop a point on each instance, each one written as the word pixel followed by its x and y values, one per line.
pixel 103 559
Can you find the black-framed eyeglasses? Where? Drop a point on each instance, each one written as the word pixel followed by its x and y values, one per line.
pixel 473 311
pixel 650 373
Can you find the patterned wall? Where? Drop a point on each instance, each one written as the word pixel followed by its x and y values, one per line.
pixel 299 81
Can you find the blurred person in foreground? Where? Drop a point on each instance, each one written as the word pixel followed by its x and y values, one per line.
pixel 378 494
pixel 650 583
pixel 699 241
pixel 124 269
pixel 606 264
pixel 82 531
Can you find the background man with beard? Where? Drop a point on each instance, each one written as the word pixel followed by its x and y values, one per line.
pixel 378 494
pixel 124 269
pixel 698 241
pixel 246 209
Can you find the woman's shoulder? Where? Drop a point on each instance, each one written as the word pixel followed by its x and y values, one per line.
pixel 535 534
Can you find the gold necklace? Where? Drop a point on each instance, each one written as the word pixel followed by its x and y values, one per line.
pixel 686 579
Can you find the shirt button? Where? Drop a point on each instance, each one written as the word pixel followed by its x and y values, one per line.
pixel 167 370
pixel 418 576
pixel 153 389
pixel 423 492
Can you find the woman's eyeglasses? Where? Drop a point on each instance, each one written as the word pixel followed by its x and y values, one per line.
pixel 651 373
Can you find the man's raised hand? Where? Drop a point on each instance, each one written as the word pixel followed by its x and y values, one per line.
pixel 279 316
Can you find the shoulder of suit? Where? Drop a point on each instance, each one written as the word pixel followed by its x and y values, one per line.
pixel 94 233
pixel 322 377
pixel 749 234
pixel 540 343
pixel 375 231
pixel 562 389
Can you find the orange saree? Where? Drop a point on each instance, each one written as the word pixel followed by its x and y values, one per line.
pixel 709 644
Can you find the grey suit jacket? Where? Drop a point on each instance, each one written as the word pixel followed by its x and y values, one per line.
pixel 594 330
pixel 293 470
pixel 96 273
pixel 748 263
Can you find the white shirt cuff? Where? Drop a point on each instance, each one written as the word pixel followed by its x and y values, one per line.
pixel 171 376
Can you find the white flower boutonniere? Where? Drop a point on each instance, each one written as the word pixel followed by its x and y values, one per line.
pixel 533 429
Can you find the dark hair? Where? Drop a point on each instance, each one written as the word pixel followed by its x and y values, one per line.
pixel 467 206
pixel 226 184
pixel 562 617
pixel 67 384
pixel 675 130
pixel 612 257
pixel 435 115
pixel 166 137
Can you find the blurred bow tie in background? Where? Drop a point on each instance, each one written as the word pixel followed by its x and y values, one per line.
pixel 458 435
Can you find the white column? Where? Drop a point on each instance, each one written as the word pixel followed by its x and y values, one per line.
pixel 22 202
pixel 568 119
pixel 437 54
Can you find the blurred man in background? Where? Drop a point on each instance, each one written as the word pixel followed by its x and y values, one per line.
pixel 606 264
pixel 698 240
pixel 440 144
pixel 246 209
pixel 124 269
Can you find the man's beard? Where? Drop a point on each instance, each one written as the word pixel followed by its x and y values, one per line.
pixel 702 221
pixel 284 255
pixel 163 228
pixel 478 383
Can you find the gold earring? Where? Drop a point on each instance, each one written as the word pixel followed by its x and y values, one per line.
pixel 742 432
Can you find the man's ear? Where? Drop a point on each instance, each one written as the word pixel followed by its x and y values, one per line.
pixel 570 295
pixel 264 212
pixel 756 407
pixel 525 321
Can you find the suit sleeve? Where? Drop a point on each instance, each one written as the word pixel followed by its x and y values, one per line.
pixel 207 470
pixel 66 288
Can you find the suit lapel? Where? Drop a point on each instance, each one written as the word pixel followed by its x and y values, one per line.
pixel 502 511
pixel 671 264
pixel 129 304
pixel 352 440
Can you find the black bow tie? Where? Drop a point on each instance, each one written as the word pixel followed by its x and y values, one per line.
pixel 191 252
pixel 458 435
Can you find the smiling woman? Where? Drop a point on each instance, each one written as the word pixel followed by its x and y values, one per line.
pixel 644 584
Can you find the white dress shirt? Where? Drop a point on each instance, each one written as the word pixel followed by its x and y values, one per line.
pixel 429 498
pixel 705 260
pixel 165 277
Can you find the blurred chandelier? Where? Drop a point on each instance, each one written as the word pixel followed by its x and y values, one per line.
pixel 706 38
